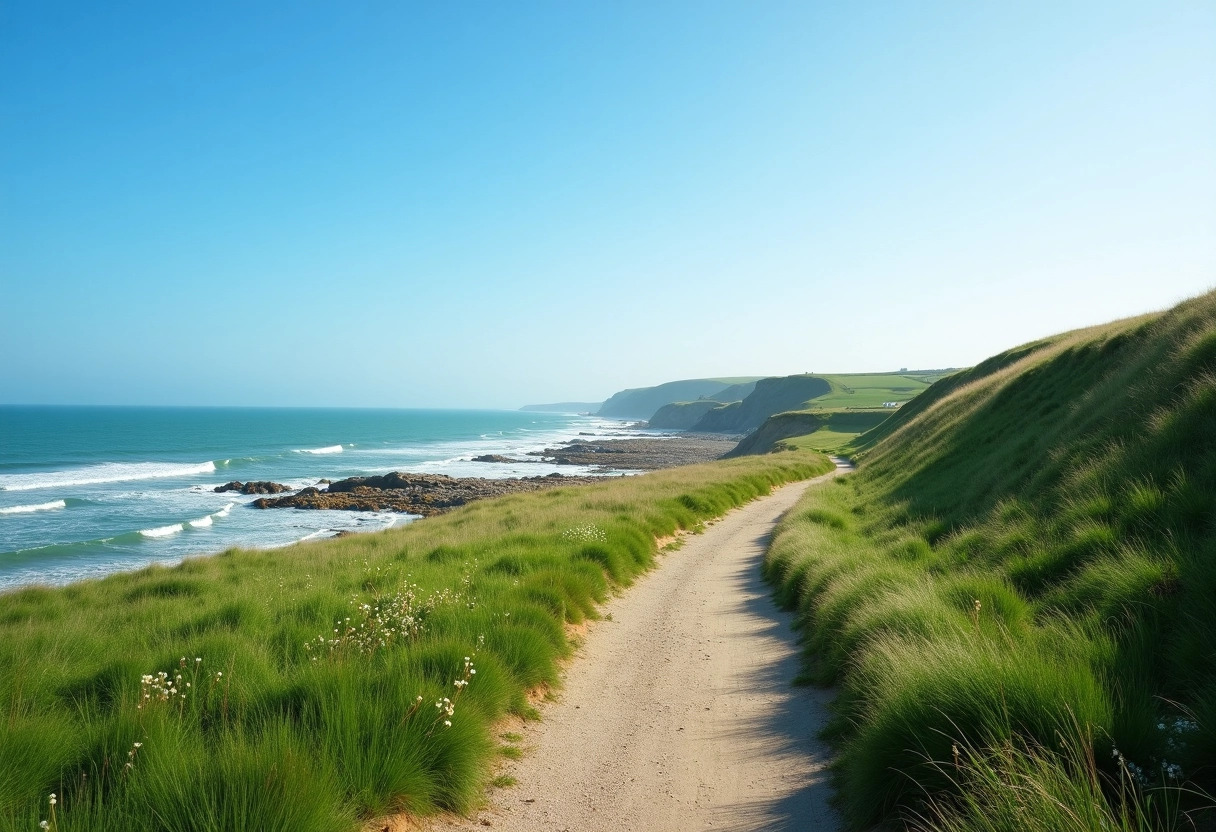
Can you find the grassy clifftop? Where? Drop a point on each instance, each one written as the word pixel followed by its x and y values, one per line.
pixel 806 429
pixel 681 415
pixel 311 688
pixel 643 402
pixel 1016 591
pixel 839 407
pixel 771 395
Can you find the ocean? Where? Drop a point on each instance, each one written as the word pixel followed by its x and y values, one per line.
pixel 86 491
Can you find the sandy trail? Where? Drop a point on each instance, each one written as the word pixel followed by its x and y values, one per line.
pixel 678 714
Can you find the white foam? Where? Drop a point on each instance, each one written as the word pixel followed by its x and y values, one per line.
pixel 54 504
pixel 224 511
pixel 316 534
pixel 201 522
pixel 162 531
pixel 328 449
pixel 106 472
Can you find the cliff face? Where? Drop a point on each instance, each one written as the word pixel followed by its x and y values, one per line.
pixel 681 415
pixel 771 396
pixel 782 426
pixel 643 402
pixel 736 392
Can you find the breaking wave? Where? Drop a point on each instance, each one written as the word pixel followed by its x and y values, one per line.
pixel 54 504
pixel 328 449
pixel 106 472
pixel 163 531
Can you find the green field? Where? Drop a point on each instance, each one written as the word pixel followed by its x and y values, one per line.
pixel 839 432
pixel 1015 594
pixel 854 405
pixel 315 687
pixel 858 391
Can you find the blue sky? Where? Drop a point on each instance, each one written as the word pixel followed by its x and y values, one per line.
pixel 487 204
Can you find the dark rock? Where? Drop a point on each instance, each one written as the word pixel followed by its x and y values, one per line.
pixel 423 494
pixel 497 458
pixel 395 480
pixel 253 487
pixel 640 454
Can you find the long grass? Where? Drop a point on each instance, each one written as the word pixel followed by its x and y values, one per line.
pixel 311 688
pixel 1027 552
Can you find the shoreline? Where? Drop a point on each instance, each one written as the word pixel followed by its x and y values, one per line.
pixel 608 458
pixel 426 495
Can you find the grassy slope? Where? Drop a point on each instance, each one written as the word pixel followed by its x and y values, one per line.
pixel 736 392
pixel 1025 565
pixel 771 395
pixel 681 415
pixel 870 390
pixel 808 430
pixel 838 409
pixel 642 402
pixel 303 740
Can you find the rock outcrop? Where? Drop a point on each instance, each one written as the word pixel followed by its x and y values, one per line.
pixel 639 454
pixel 253 487
pixel 423 494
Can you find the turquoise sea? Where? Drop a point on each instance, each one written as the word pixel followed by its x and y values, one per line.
pixel 85 491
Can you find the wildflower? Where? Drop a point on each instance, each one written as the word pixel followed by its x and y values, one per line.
pixel 53 799
pixel 44 825
pixel 447 723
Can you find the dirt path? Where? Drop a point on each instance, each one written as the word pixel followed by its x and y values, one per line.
pixel 678 714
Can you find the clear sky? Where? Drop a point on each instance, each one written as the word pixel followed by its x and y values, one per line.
pixel 489 204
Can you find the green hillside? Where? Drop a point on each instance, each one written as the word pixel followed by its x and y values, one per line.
pixel 642 402
pixel 681 415
pixel 870 390
pixel 736 392
pixel 1016 591
pixel 855 402
pixel 810 430
pixel 771 395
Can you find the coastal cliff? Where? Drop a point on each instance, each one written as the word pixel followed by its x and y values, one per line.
pixel 770 396
pixel 643 402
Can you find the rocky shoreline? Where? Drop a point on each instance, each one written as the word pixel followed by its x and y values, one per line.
pixel 646 454
pixel 422 494
pixel 430 494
